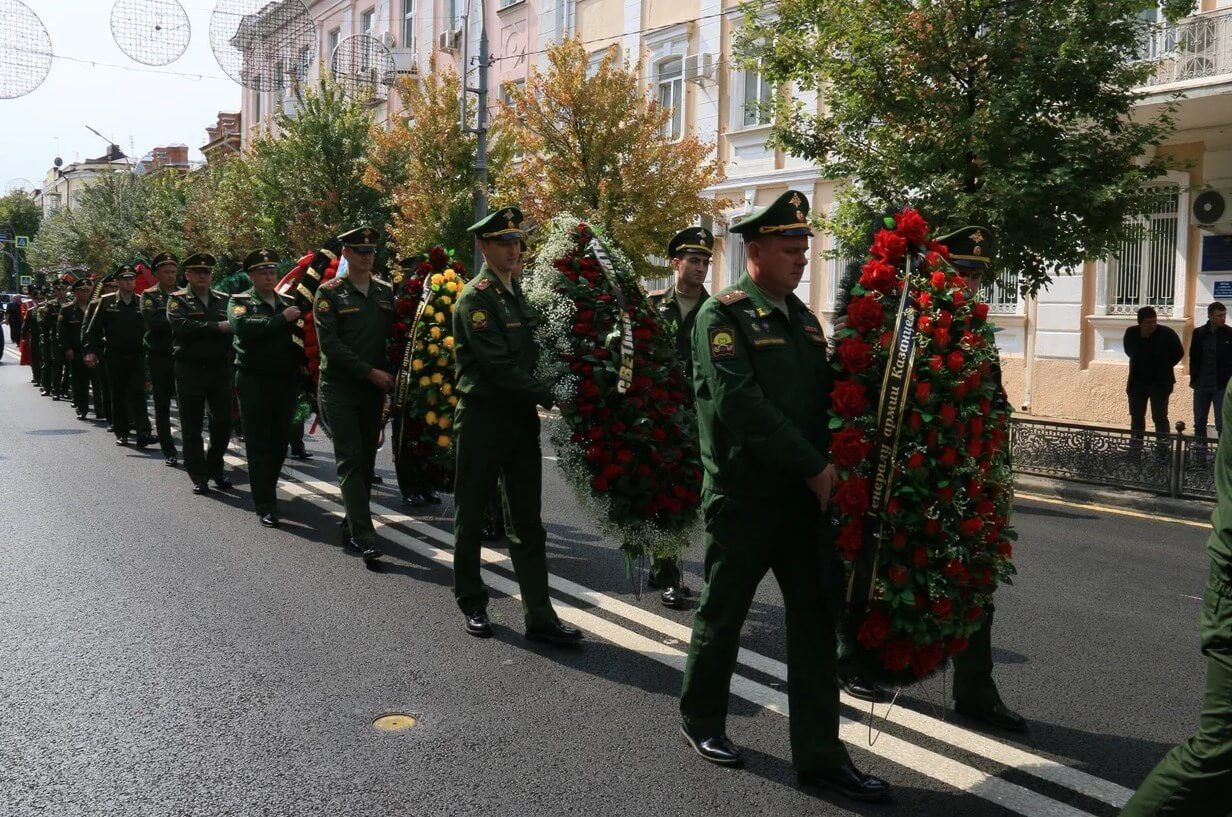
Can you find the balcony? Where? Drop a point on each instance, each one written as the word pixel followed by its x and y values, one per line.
pixel 1195 52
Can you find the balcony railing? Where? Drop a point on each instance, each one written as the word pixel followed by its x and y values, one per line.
pixel 1196 48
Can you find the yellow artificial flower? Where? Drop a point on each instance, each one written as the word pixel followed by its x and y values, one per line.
pixel 430 418
pixel 425 381
pixel 448 342
pixel 438 378
pixel 451 287
pixel 437 279
pixel 433 349
pixel 416 365
pixel 440 317
pixel 444 300
pixel 443 441
pixel 435 332
pixel 446 389
pixel 453 399
pixel 444 422
pixel 450 275
pixel 442 362
pixel 428 311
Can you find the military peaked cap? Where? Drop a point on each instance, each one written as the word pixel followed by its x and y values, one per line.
pixel 260 259
pixel 361 239
pixel 200 261
pixel 787 216
pixel 696 240
pixel 504 224
pixel 972 247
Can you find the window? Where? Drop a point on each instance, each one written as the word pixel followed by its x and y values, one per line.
pixel 367 25
pixel 758 98
pixel 504 4
pixel 367 22
pixel 669 76
pixel 256 107
pixel 409 39
pixel 570 21
pixel 456 9
pixel 1001 294
pixel 1143 271
pixel 331 42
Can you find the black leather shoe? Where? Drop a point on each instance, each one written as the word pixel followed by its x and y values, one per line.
pixel 144 440
pixel 301 455
pixel 367 551
pixel 848 781
pixel 430 497
pixel 110 428
pixel 122 440
pixel 82 417
pixel 223 484
pixel 718 749
pixel 675 596
pixel 201 488
pixel 413 501
pixel 269 520
pixel 377 479
pixel 489 534
pixel 477 624
pixel 56 398
pixel 998 716
pixel 555 633
pixel 171 461
pixel 857 686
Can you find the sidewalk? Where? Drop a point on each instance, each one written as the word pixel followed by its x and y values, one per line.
pixel 1195 510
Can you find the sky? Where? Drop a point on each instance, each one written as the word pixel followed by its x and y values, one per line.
pixel 133 104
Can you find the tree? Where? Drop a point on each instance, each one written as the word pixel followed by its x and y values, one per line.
pixel 19 215
pixel 424 164
pixel 595 146
pixel 307 180
pixel 161 225
pixel 1010 114
pixel 99 231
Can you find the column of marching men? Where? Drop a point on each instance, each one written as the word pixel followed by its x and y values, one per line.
pixel 762 428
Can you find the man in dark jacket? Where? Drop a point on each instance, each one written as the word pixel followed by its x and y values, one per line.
pixel 1210 367
pixel 12 313
pixel 1153 351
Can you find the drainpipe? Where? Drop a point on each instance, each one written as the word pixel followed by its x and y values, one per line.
pixel 1028 351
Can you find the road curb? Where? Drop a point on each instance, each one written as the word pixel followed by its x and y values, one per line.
pixel 1195 510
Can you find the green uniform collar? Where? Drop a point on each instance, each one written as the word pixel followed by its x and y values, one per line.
pixel 486 272
pixel 761 303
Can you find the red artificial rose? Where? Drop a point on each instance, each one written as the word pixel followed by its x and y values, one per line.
pixel 975 612
pixel 877 275
pixel 937 280
pixel 935 363
pixel 848 398
pixel 927 659
pixel 855 355
pixel 980 311
pixel 924 300
pixel 925 324
pixel 898 575
pixel 955 646
pixel 942 608
pixel 872 633
pixel 899 540
pixel 984 507
pixel 850 540
pixel 945 319
pixel 848 447
pixel 948 458
pixel 912 226
pixel 889 245
pixel 865 313
pixel 851 496
pixel 941 338
pixel 923 391
pixel 1005 549
pixel 919 557
pixel 970 527
pixel 896 657
pixel 958 298
pixel 955 360
pixel 974 449
pixel 948 414
pixel 916 460
pixel 599 484
pixel 438 257
pixel 945 495
pixel 915 421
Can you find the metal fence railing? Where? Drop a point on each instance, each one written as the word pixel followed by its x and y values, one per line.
pixel 1195 48
pixel 1177 465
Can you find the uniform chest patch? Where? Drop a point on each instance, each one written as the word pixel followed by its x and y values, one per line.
pixel 479 319
pixel 240 310
pixel 768 342
pixel 722 343
pixel 323 305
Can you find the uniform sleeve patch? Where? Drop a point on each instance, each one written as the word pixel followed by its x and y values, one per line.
pixel 479 319
pixel 322 305
pixel 722 343
pixel 483 283
pixel 239 309
pixel 174 305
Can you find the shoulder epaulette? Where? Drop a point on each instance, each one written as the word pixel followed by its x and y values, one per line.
pixel 109 295
pixel 383 283
pixel 219 293
pixel 181 292
pixel 483 283
pixel 244 295
pixel 732 296
pixel 658 293
pixel 332 283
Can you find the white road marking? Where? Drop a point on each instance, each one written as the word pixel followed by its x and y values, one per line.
pixel 1187 596
pixel 1111 510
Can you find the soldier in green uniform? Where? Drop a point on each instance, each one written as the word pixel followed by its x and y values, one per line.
pixel 353 316
pixel 267 364
pixel 497 431
pixel 690 251
pixel 762 379
pixel 1194 779
pixel 72 325
pixel 99 385
pixel 117 329
pixel 30 331
pixel 201 351
pixel 49 313
pixel 158 346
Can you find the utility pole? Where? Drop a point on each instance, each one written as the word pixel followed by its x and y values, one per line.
pixel 481 115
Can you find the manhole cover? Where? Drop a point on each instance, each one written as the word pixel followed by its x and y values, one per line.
pixel 394 723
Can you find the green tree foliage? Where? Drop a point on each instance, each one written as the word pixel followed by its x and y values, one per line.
pixel 19 215
pixel 1014 114
pixel 101 228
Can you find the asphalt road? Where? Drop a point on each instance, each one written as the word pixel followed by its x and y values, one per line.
pixel 162 654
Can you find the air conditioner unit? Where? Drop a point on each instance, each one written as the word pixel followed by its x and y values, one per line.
pixel 1212 211
pixel 375 79
pixel 699 68
pixel 449 40
pixel 406 61
pixel 387 39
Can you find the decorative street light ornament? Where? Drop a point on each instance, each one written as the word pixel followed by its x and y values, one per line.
pixel 263 45
pixel 25 50
pixel 364 66
pixel 152 32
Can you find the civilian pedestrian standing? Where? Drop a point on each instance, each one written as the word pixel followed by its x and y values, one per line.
pixel 1153 351
pixel 13 316
pixel 1210 367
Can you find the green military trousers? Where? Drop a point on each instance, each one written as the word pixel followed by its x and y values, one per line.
pixel 1195 778
pixel 353 416
pixel 493 440
pixel 744 540
pixel 197 387
pixel 267 406
pixel 99 385
pixel 126 378
pixel 81 382
pixel 162 384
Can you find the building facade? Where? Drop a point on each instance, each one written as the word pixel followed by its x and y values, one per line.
pixel 1062 351
pixel 64 184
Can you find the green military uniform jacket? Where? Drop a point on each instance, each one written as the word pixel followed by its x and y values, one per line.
pixel 264 339
pixel 196 336
pixel 71 326
pixel 666 306
pixel 49 314
pixel 353 329
pixel 116 326
pixel 495 352
pixel 158 338
pixel 763 382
